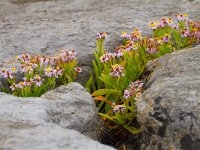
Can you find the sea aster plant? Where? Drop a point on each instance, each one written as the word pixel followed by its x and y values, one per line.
pixel 117 71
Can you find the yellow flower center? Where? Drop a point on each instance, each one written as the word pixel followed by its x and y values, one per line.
pixel 21 83
pixel 13 69
pixel 29 68
pixel 170 20
pixel 48 70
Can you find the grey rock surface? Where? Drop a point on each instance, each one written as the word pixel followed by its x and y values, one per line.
pixel 73 107
pixel 169 110
pixel 45 26
pixel 26 123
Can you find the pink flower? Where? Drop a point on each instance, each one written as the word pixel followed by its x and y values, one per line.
pixel 13 87
pixel 185 33
pixel 182 17
pixel 26 82
pixel 29 69
pixel 134 89
pixel 136 35
pixel 152 50
pixel 170 22
pixel 68 55
pixel 38 80
pixel 58 71
pixel 24 58
pixel 20 85
pixel 46 61
pixel 153 25
pixel 117 70
pixel 48 72
pixel 38 83
pixel 165 38
pixel 119 108
pixel 13 71
pixel 78 69
pixel 4 73
pixel 101 35
pixel 26 68
pixel 127 94
pixel 106 57
pixel 118 53
pixel 163 23
pixel 175 26
pixel 34 65
pixel 72 55
pixel 126 36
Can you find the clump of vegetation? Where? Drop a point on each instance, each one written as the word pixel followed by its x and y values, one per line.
pixel 40 73
pixel 115 85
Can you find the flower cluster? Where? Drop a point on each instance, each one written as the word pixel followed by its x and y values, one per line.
pixel 182 17
pixel 106 57
pixel 129 60
pixel 67 55
pixel 117 71
pixel 118 108
pixel 135 89
pixel 166 35
pixel 136 35
pixel 153 45
pixel 28 83
pixel 125 36
pixel 118 52
pixel 40 73
pixel 24 58
pixel 101 35
pixel 165 22
pixel 8 74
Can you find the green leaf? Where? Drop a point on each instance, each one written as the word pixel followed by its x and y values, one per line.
pixel 132 129
pixel 69 78
pixel 176 35
pixel 119 119
pixel 107 107
pixel 105 92
pixel 107 80
pixel 108 117
pixel 90 83
pixel 100 106
pixel 95 68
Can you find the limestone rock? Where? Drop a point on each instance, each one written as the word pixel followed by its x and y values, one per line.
pixel 25 122
pixel 169 110
pixel 73 107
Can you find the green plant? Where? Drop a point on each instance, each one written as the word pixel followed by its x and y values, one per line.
pixel 115 85
pixel 41 73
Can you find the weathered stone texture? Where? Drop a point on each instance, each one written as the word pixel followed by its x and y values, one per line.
pixel 169 109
